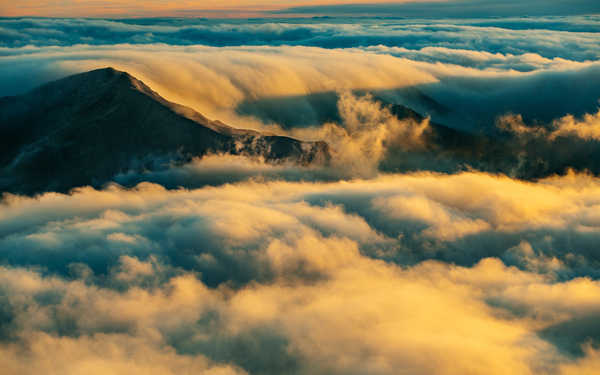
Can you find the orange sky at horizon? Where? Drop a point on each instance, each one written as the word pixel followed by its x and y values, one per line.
pixel 162 8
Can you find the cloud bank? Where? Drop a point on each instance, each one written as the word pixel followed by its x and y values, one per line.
pixel 351 99
pixel 571 37
pixel 326 278
pixel 224 83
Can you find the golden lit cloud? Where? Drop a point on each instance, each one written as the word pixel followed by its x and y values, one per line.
pixel 308 277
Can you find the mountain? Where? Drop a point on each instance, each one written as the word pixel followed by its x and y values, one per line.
pixel 86 128
pixel 527 157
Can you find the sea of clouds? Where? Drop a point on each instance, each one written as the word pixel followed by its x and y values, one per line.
pixel 231 265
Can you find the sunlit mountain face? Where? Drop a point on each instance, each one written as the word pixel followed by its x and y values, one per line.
pixel 407 188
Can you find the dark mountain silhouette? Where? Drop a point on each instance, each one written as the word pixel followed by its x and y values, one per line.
pixel 524 157
pixel 86 128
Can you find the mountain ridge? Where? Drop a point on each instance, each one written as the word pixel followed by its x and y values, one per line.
pixel 86 128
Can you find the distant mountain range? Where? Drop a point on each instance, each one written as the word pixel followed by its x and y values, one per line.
pixel 86 128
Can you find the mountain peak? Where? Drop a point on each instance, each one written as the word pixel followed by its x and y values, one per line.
pixel 86 128
pixel 109 70
pixel 100 78
pixel 107 74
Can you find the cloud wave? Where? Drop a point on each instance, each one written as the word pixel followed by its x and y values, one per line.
pixel 329 277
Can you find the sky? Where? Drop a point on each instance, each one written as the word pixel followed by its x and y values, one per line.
pixel 270 8
pixel 136 8
pixel 396 254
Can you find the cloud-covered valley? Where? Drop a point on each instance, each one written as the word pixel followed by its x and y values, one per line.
pixel 451 229
pixel 338 277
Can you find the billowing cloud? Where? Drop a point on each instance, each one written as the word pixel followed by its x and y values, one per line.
pixel 351 98
pixel 403 218
pixel 258 86
pixel 586 128
pixel 317 292
pixel 213 79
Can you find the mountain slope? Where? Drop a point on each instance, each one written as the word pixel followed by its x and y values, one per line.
pixel 525 156
pixel 86 128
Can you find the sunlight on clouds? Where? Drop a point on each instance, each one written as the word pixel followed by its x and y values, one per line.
pixel 102 354
pixel 586 128
pixel 367 130
pixel 214 81
pixel 254 87
pixel 311 278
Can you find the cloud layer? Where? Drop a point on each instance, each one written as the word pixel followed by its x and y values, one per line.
pixel 326 278
pixel 460 88
pixel 567 37
pixel 351 99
